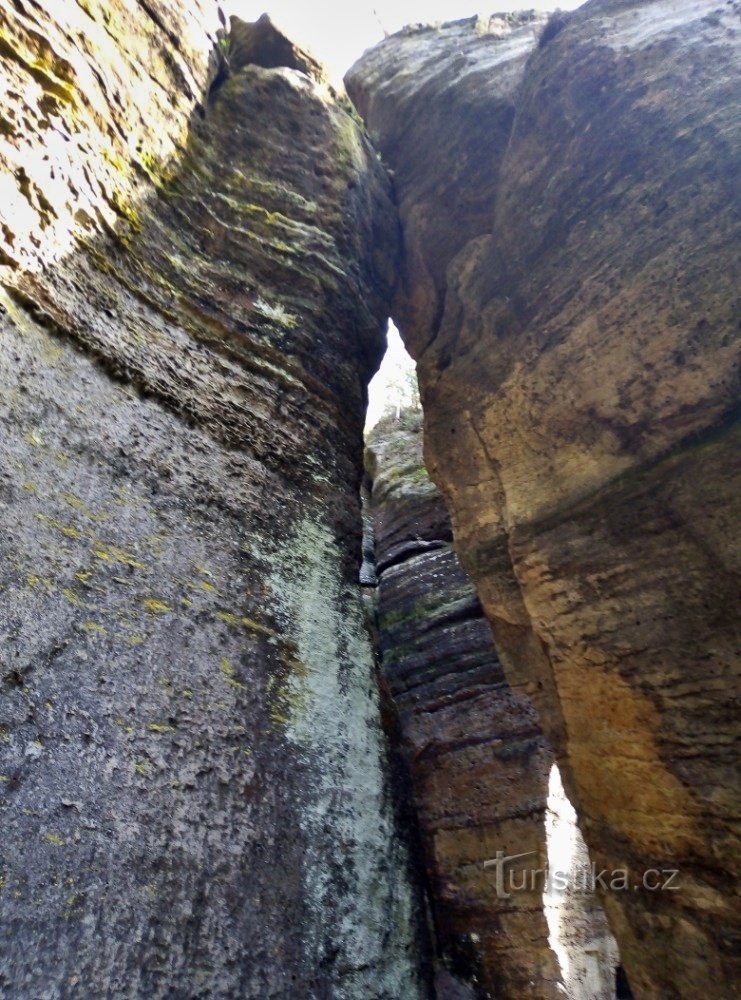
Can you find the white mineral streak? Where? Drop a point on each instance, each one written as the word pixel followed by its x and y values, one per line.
pixel 355 867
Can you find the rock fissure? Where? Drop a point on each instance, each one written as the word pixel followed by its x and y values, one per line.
pixel 206 788
pixel 479 763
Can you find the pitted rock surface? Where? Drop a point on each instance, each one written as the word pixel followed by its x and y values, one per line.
pixel 196 264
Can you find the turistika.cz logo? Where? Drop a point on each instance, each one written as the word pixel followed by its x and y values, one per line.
pixel 585 879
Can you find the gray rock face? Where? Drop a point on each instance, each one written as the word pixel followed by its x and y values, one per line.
pixel 573 312
pixel 194 788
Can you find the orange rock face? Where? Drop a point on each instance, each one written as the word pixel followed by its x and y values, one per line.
pixel 576 340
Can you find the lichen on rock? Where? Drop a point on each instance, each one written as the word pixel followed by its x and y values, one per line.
pixel 195 282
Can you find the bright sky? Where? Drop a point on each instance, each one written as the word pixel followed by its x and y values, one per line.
pixel 338 32
pixel 389 387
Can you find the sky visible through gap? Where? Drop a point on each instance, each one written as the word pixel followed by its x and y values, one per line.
pixel 338 33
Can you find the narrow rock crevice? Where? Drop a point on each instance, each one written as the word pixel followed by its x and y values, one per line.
pixel 480 768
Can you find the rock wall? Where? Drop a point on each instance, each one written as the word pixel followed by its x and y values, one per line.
pixel 569 291
pixel 482 773
pixel 197 246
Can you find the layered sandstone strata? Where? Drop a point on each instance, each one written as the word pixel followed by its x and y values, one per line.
pixel 197 246
pixel 483 777
pixel 569 291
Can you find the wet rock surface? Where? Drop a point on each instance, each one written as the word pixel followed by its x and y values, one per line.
pixel 577 349
pixel 195 267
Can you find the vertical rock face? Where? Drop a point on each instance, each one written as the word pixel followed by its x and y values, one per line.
pixel 480 766
pixel 194 790
pixel 577 348
pixel 451 92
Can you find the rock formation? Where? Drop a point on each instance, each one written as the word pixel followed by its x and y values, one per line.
pixel 479 764
pixel 568 288
pixel 197 247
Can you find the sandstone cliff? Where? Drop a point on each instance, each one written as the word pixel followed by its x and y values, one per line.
pixel 569 291
pixel 197 246
pixel 198 249
pixel 480 767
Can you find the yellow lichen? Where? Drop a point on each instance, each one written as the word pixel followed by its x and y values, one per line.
pixel 257 627
pixel 120 555
pixel 286 698
pixel 226 668
pixel 52 522
pixel 230 674
pixel 131 640
pixel 94 627
pixel 236 684
pixel 155 607
pixel 74 501
pixel 72 597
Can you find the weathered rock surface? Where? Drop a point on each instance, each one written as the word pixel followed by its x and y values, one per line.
pixel 480 766
pixel 195 797
pixel 573 312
